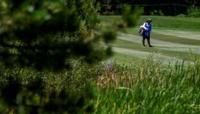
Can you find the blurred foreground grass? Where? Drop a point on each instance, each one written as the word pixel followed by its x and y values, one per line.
pixel 149 88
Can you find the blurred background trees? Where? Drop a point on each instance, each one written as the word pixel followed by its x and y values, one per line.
pixel 153 7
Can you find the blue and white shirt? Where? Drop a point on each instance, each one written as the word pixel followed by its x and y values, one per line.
pixel 147 27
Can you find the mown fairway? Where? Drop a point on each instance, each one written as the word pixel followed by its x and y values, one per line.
pixel 172 43
pixel 169 45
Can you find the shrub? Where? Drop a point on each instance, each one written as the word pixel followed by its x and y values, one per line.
pixel 40 44
pixel 157 12
pixel 26 91
pixel 130 15
pixel 194 12
pixel 47 34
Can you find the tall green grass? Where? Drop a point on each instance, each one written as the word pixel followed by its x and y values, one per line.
pixel 150 88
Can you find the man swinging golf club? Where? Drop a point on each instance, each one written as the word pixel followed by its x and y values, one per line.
pixel 145 32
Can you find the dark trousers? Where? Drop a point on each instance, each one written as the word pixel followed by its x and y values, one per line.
pixel 144 36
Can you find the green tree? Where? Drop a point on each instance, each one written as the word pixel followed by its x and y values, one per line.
pixel 39 37
pixel 47 35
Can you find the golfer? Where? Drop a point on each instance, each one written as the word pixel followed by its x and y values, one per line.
pixel 145 31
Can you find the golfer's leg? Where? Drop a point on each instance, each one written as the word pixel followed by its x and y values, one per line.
pixel 143 40
pixel 149 42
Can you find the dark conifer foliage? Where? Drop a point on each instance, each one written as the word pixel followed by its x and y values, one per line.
pixel 47 48
pixel 46 34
